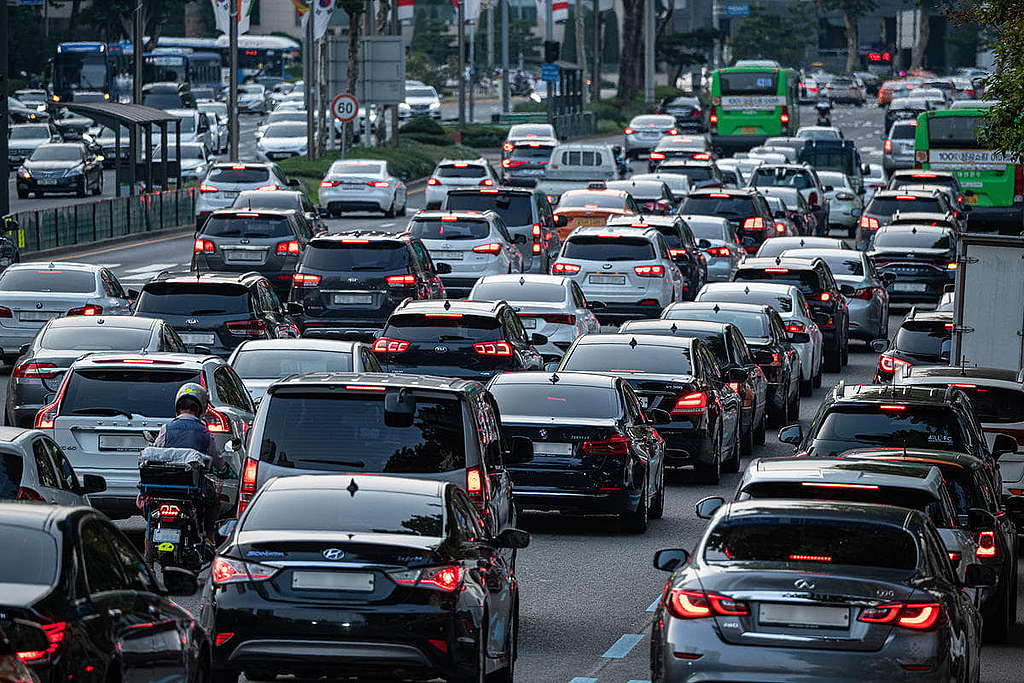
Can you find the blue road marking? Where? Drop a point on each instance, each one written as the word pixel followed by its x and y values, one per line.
pixel 654 605
pixel 583 680
pixel 623 645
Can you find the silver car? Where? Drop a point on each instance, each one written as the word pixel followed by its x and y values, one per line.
pixel 281 116
pixel 898 146
pixel 776 246
pixel 452 173
pixel 845 206
pixel 195 160
pixel 225 180
pixel 34 293
pixel 282 141
pixel 863 286
pixel 217 113
pixel 420 101
pixel 33 469
pixel 678 185
pixel 644 132
pixel 24 138
pixel 362 185
pixel 724 249
pixel 252 98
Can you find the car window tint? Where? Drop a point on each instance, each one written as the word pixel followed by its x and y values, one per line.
pixel 30 556
pixel 103 569
pixel 11 470
pixel 138 392
pixel 275 363
pixel 628 358
pixel 65 472
pixel 44 466
pixel 440 229
pixel 227 391
pixel 556 400
pixel 105 338
pixel 44 279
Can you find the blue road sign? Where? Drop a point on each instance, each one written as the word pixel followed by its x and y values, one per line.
pixel 550 72
pixel 736 9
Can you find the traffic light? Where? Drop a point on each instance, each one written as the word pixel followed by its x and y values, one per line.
pixel 551 51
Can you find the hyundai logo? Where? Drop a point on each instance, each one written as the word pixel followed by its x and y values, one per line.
pixel 607 266
pixel 334 554
pixel 804 584
pixel 440 349
pixel 192 321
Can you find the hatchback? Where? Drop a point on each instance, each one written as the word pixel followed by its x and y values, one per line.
pixel 844 202
pixel 687 111
pixel 923 338
pixel 224 181
pixel 362 185
pixel 645 131
pixel 295 200
pixel 452 173
pixel 920 260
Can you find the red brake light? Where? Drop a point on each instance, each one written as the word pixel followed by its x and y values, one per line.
pixel 507 147
pixel 401 280
pixel 6 312
pixel 253 327
pixel 54 634
pixel 305 280
pixel 891 365
pixel 290 247
pixel 379 183
pixel 656 270
pixel 487 182
pixel 776 270
pixel 672 131
pixel 34 371
pixel 169 513
pixel 907 197
pixel 702 156
pixel 491 248
pixel 203 246
pixel 780 227
pixel 919 616
pixel 474 482
pixel 834 485
pixel 335 183
pixel 208 188
pixel 28 495
pixel 795 327
pixel 713 117
pixel 895 407
pixel 825 296
pixel 987 544
pixel 247 487
pixel 89 310
pixel 535 249
pixel 685 604
pixel 719 195
pixel 434 182
pixel 675 253
pixel 866 293
pixel 784 116
pixel 811 558
pixel 719 251
pixel 446 578
pixel 887 145
pixel 216 422
pixel 495 348
pixel 616 444
pixel 558 318
pixel 565 269
pixel 222 638
pixel 267 188
pixel 657 155
pixel 696 402
pixel 869 223
pixel 628 131
pixel 225 570
pixel 754 223
pixel 388 345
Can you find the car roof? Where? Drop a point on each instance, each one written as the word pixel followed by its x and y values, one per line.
pixel 212 279
pixel 920 194
pixel 731 191
pixel 622 194
pixel 428 382
pixel 36 516
pixel 888 393
pixel 479 161
pixel 844 471
pixel 361 234
pixel 671 325
pixel 523 279
pixel 819 252
pixel 11 434
pixel 255 211
pixel 807 241
pixel 143 361
pixel 757 285
pixel 956 372
pixel 479 216
pixel 344 482
pixel 928 456
pixel 882 514
pixel 246 164
pixel 918 173
pixel 792 263
pixel 592 379
pixel 119 321
pixel 645 339
pixel 301 344
pixel 928 316
pixel 644 221
pixel 723 305
pixel 56 265
pixel 915 228
pixel 452 306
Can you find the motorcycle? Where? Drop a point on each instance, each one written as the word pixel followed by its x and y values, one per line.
pixel 824 109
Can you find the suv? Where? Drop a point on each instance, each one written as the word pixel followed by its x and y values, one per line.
pixel 898 146
pixel 804 178
pixel 349 283
pixel 168 95
pixel 525 212
pixel 108 401
pixel 224 181
pixel 682 247
pixel 423 427
pixel 451 173
pixel 921 260
pixel 523 159
pixel 693 147
pixel 819 287
pixel 702 174
pixel 215 312
pixel 886 203
pixel 923 338
pixel 457 338
pixel 745 209
pixel 267 241
pixel 946 180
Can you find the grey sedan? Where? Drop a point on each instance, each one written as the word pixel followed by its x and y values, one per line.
pixel 723 249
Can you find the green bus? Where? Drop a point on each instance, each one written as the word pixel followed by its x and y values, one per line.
pixel 947 140
pixel 752 103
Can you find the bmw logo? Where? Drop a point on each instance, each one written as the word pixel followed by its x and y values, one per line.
pixel 542 434
pixel 334 554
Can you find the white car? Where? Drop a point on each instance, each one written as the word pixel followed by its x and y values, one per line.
pixel 792 307
pixel 775 247
pixel 261 362
pixel 420 101
pixel 362 185
pixel 845 206
pixel 819 133
pixel 678 185
pixel 225 180
pixel 732 165
pixel 252 98
pixel 195 127
pixel 531 132
pixel 293 98
pixel 34 469
pixel 195 160
pixel 625 272
pixel 281 116
pixel 282 141
pixel 551 305
pixel 452 173
pixel 217 113
pixel 645 131
pixel 874 181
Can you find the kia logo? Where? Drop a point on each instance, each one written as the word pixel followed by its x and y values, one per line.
pixel 440 349
pixel 192 321
pixel 334 554
pixel 804 584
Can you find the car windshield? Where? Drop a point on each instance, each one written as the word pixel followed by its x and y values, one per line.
pixel 922 338
pixel 542 131
pixel 162 101
pixel 818 134
pixel 349 433
pixel 915 499
pixel 806 280
pixel 652 122
pixel 526 293
pixel 630 358
pixel 751 324
pixel 30 133
pixel 243 175
pixel 254 226
pixel 175 298
pixel 591 200
pixel 515 209
pixel 32 557
pixel 954 132
pixel 910 426
pixel 614 248
pixel 994 404
pixel 274 363
pixel 48 280
pixel 460 171
pixel 809 541
pixel 440 229
pixel 95 338
pixel 356 168
pixel 912 239
pixel 557 401
pixel 419 327
pixel 784 177
pixel 106 392
pixel 887 206
pixel 57 153
pixel 285 130
pixel 780 302
pixel 279 116
pixel 420 93
pixel 334 255
pixel 187 152
pixel 531 152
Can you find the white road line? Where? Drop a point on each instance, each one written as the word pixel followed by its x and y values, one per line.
pixel 157 267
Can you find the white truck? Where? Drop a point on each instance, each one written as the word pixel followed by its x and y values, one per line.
pixel 988 302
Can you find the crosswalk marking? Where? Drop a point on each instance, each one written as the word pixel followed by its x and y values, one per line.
pixel 622 647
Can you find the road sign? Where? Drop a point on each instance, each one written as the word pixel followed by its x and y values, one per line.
pixel 736 9
pixel 345 107
pixel 550 73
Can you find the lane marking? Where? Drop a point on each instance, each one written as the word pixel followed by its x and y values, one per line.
pixel 623 646
pixel 638 681
pixel 151 267
pixel 120 247
pixel 654 605
pixel 580 679
pixel 387 225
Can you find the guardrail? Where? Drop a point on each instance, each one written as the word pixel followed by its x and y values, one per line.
pixel 88 222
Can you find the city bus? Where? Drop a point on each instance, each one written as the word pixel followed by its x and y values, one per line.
pixel 947 140
pixel 83 67
pixel 198 69
pixel 257 55
pixel 752 103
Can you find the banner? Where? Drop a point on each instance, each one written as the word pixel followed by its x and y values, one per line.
pixel 322 13
pixel 559 10
pixel 406 8
pixel 222 15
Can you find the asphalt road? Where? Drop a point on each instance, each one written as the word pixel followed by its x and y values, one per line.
pixel 588 588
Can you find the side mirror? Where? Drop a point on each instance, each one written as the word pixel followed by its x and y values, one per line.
pixel 979 519
pixel 658 416
pixel 199 349
pixel 519 239
pixel 703 244
pixel 707 507
pixel 670 559
pixel 180 581
pixel 512 538
pixel 791 434
pixel 294 308
pixel 537 339
pixel 828 188
pixel 520 450
pixel 443 268
pixel 24 349
pixel 561 221
pixel 1003 444
pixel 779 214
pixel 736 375
pixel 225 529
pixel 980 576
pixel 847 290
pixel 798 337
pixel 879 345
pixel 24 636
pixel 399 409
pixel 293 182
pixel 233 445
pixel 550 367
pixel 92 483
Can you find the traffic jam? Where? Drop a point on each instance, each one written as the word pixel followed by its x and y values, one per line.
pixel 728 361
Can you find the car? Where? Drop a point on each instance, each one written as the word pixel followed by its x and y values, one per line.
pixel 71 556
pixel 780 245
pixel 813 573
pixel 217 114
pixel 362 185
pixel 804 178
pixel 765 334
pixel 923 338
pixel 37 373
pixel 169 95
pixel 296 116
pixel 819 133
pixel 593 206
pixel 686 147
pixel 678 185
pixel 224 181
pixel 428 573
pixel 451 173
pixel 295 200
pixel 282 141
pixel 653 196
pixel 682 247
pixel 735 363
pixel 770 158
pixel 550 305
pixel 867 299
pixel 107 402
pixel 796 144
pixel 215 312
pixel 687 111
pixel 110 148
pixel 898 146
pixel 677 376
pixel 790 155
pixel 34 469
pixel 844 202
pixel 745 209
pixel 846 90
pixel 920 259
pixel 265 241
pixel 700 174
pixel 192 126
pixel 822 293
pixel 795 211
pixel 935 97
pixel 874 180
pixel 420 101
pixel 60 167
pixel 906 109
pixel 960 196
pixel 887 203
pixel 193 163
pixel 25 138
pixel 36 292
pixel 73 127
pixel 525 160
pixel 350 282
pixel 33 97
pixel 731 172
pixel 252 99
pixel 594 449
pixel 22 112
pixel 724 250
pixel 457 338
pixel 523 132
pixel 782 224
pixel 472 244
pixel 958 206
pixel 628 270
pixel 645 131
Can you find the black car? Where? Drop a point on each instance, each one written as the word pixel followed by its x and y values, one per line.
pixel 282 199
pixel 20 112
pixel 105 614
pixel 683 247
pixel 349 283
pixel 769 342
pixel 686 147
pixel 923 338
pixel 815 280
pixel 921 259
pixel 457 338
pixel 687 111
pixel 371 576
pixel 885 204
pixel 745 209
pixel 594 449
pixel 168 95
pixel 702 174
pixel 735 364
pixel 60 167
pixel 678 376
pixel 945 179
pixel 215 312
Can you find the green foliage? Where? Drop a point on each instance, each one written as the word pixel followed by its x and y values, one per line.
pixel 111 19
pixel 487 137
pixel 767 35
pixel 425 130
pixel 616 110
pixel 530 106
pixel 24 31
pixel 420 67
pixel 431 39
pixel 687 49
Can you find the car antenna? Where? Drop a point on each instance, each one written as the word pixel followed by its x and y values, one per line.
pixel 447 305
pixel 522 280
pixel 352 488
pixel 555 378
pixel 632 343
pixel 778 259
pixel 674 328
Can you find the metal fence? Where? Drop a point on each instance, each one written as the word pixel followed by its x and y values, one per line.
pixel 66 226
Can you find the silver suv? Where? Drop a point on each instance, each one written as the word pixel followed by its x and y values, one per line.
pixel 224 181
pixel 898 148
pixel 452 173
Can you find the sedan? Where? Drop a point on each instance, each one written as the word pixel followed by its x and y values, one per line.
pixel 721 243
pixel 60 167
pixel 362 185
pixel 25 138
pixel 225 180
pixel 195 161
pixel 845 206
pixel 919 260
pixel 652 196
pixel 282 141
pixel 644 132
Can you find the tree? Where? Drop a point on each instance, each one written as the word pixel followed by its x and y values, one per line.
pixel 687 49
pixel 852 11
pixel 112 19
pixel 355 10
pixel 767 35
pixel 631 58
pixel 430 38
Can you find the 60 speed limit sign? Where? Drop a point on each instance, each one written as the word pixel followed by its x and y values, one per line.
pixel 345 107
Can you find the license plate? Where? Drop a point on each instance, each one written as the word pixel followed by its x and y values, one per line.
pixel 972 199
pixel 529 323
pixel 749 130
pixel 122 442
pixel 804 615
pixel 48 181
pixel 338 581
pixel 449 255
pixel 550 448
pixel 607 279
pixel 166 535
pixel 353 186
pixel 909 287
pixel 342 299
pixel 197 338
pixel 243 255
pixel 37 316
pixel 587 222
pixel 531 171
pixel 228 194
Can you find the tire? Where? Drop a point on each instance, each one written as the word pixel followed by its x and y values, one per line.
pixel 761 431
pixel 732 465
pixel 80 192
pixel 806 385
pixel 817 375
pixel 1000 622
pixel 778 407
pixel 846 348
pixel 390 212
pixel 657 509
pixel 507 674
pixel 833 361
pixel 98 190
pixel 747 439
pixel 711 474
pixel 405 208
pixel 635 521
pixel 794 405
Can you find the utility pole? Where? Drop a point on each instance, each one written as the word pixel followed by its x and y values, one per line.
pixel 490 38
pixel 504 57
pixel 549 36
pixel 716 23
pixel 649 31
pixel 137 32
pixel 309 75
pixel 5 198
pixel 233 78
pixel 460 20
pixel 595 83
pixel 472 70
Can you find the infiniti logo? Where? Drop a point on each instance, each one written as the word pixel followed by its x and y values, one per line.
pixel 804 584
pixel 334 554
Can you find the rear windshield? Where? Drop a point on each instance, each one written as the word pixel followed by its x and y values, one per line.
pixel 374 512
pixel 254 199
pixel 330 255
pixel 430 229
pixel 912 426
pixel 903 181
pixel 993 404
pixel 591 200
pixel 915 499
pixel 559 400
pixel 420 327
pixel 806 280
pixel 347 433
pixel 527 292
pixel 841 265
pixel 781 177
pixel 30 133
pixel 11 467
pixel 887 206
pixel 47 280
pixel 709 231
pixel 285 130
pixel 924 239
pixel 95 338
pixel 751 325
pixel 274 363
pixel 112 392
pixel 463 171
pixel 32 556
pixel 903 131
pixel 694 173
pixel 239 175
pixel 956 132
pixel 771 538
pixel 726 206
pixel 924 338
pixel 748 82
pixel 514 209
pixel 596 248
pixel 828 159
pixel 531 153
pixel 623 357
pixel 780 302
pixel 243 226
pixel 356 168
pixel 159 101
pixel 187 299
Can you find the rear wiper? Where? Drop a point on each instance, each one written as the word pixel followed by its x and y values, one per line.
pixel 257 234
pixel 346 463
pixel 452 337
pixel 366 268
pixel 101 411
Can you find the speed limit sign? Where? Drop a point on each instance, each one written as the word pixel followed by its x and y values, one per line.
pixel 345 107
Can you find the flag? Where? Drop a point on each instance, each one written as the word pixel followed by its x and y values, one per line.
pixel 322 12
pixel 244 10
pixel 222 14
pixel 406 8
pixel 472 10
pixel 559 10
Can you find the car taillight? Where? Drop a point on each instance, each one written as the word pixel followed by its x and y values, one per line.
pixel 780 227
pixel 6 312
pixel 915 615
pixel 495 348
pixel 225 570
pixel 379 183
pixel 202 246
pixel 891 365
pixel 169 512
pixel 54 634
pixel 47 414
pixel 676 253
pixel 696 402
pixel 813 199
pixel 268 188
pixel 713 116
pixel 388 345
pixel 565 269
pixel 222 638
pixel 784 116
pixel 447 578
pixel 657 155
pixel 253 327
pixel 684 604
pixel 753 223
pixel 616 444
pixel 290 247
pixel 535 248
pixel 865 293
pixel 487 182
pixel 628 131
pixel 491 248
pixel 335 183
pixel 722 252
pixel 216 422
pixel 208 188
pixel 869 223
pixel 401 280
pixel 656 270
pixel 507 147
pixel 556 318
pixel 34 371
pixel 987 545
pixel 28 495
pixel 433 182
pixel 825 296
pixel 887 145
pixel 672 131
pixel 247 487
pixel 795 327
pixel 305 280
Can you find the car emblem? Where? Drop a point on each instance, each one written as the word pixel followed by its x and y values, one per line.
pixel 543 434
pixel 192 321
pixel 39 305
pixel 353 279
pixel 607 266
pixel 804 584
pixel 440 349
pixel 243 241
pixel 334 554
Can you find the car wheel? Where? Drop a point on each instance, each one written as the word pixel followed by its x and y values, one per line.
pixel 747 439
pixel 657 510
pixel 80 192
pixel 732 465
pixel 635 521
pixel 794 404
pixel 817 374
pixel 711 473
pixel 98 190
pixel 1003 616
pixel 806 385
pixel 778 407
pixel 834 358
pixel 506 674
pixel 761 432
pixel 476 672
pixel 405 208
pixel 390 212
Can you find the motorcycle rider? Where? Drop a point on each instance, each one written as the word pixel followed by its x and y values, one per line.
pixel 824 108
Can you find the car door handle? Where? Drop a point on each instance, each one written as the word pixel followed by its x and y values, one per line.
pixel 115 613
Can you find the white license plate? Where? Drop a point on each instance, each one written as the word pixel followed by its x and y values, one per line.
pixel 450 255
pixel 529 323
pixel 342 299
pixel 122 442
pixel 166 535
pixel 909 287
pixel 353 186
pixel 37 316
pixel 48 181
pixel 197 338
pixel 338 581
pixel 646 401
pixel 607 279
pixel 804 615
pixel 531 171
pixel 551 448
pixel 228 194
pixel 243 255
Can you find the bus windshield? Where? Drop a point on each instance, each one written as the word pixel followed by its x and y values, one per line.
pixel 80 71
